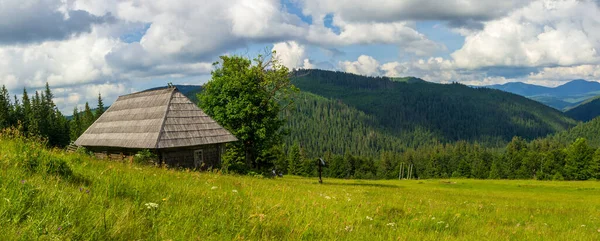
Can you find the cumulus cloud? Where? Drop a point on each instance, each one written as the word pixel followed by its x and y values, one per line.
pixel 365 65
pixel 542 34
pixel 74 61
pixel 553 74
pixel 400 33
pixel 292 55
pixel 34 21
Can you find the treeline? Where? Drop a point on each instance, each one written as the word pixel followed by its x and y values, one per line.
pixel 81 120
pixel 38 116
pixel 542 159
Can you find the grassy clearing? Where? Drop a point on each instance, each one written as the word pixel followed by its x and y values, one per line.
pixel 102 200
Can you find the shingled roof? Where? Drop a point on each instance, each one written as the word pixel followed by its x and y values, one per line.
pixel 154 119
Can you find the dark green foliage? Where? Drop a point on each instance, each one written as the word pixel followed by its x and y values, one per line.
pixel 246 97
pixel 37 117
pixel 578 164
pixel 585 111
pixel 233 160
pixel 58 167
pixel 145 157
pixel 589 130
pixel 100 108
pixel 294 160
pixel 341 113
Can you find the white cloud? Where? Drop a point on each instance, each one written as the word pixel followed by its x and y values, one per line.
pixel 292 55
pixel 402 34
pixel 365 65
pixel 553 74
pixel 75 61
pixel 545 33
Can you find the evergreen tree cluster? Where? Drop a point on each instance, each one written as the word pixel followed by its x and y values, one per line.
pixel 81 120
pixel 38 116
pixel 543 159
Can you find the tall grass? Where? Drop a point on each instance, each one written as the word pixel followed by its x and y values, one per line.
pixel 100 200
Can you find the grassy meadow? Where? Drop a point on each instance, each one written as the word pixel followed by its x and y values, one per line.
pixel 50 195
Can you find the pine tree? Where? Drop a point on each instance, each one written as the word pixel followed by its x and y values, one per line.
pixel 75 126
pixel 294 160
pixel 5 108
pixel 595 166
pixel 35 118
pixel 27 112
pixel 100 107
pixel 579 160
pixel 17 114
pixel 495 171
pixel 88 117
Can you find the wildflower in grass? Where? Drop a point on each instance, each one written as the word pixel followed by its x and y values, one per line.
pixel 348 228
pixel 87 191
pixel 151 205
pixel 22 181
pixel 213 187
pixel 583 225
pixel 59 228
pixel 391 224
pixel 327 197
pixel 81 189
pixel 369 218
pixel 440 222
pixel 349 199
pixel 432 218
pixel 234 191
pixel 164 199
pixel 447 225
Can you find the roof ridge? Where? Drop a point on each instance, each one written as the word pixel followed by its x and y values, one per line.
pixel 164 119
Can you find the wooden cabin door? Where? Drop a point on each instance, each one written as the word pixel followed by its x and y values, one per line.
pixel 198 158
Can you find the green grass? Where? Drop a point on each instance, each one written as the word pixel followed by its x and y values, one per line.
pixel 103 200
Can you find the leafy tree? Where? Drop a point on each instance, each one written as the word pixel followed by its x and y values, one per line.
pixel 246 97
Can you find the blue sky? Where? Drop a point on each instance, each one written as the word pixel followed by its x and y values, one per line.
pixel 114 47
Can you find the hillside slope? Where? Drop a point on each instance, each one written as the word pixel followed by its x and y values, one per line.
pixel 446 112
pixel 585 111
pixel 589 130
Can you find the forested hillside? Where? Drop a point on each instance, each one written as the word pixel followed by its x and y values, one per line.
pixel 586 111
pixel 589 130
pixel 347 113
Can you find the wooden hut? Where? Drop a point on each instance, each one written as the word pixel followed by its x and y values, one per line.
pixel 163 121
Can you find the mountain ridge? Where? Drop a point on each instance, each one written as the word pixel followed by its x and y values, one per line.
pixel 562 97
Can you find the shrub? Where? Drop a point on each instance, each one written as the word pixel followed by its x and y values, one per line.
pixel 145 157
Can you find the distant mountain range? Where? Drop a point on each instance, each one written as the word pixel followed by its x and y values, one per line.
pixel 561 97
